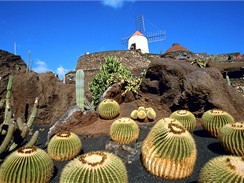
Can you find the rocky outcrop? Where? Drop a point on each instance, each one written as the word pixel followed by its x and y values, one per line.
pixel 180 85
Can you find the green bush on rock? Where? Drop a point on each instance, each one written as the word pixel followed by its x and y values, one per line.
pixel 95 167
pixel 169 150
pixel 28 165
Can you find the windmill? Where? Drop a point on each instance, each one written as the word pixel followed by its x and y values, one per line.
pixel 140 39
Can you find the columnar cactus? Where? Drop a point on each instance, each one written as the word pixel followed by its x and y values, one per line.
pixel 94 167
pixel 124 131
pixel 231 136
pixel 79 84
pixel 8 96
pixel 214 119
pixel 227 169
pixel 108 109
pixel 64 146
pixel 186 118
pixel 28 165
pixel 169 150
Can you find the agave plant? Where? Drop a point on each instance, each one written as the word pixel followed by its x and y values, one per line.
pixel 169 150
pixel 231 136
pixel 108 109
pixel 64 146
pixel 227 169
pixel 124 131
pixel 27 164
pixel 214 119
pixel 186 118
pixel 95 167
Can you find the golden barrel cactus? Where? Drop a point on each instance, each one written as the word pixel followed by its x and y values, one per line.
pixel 108 109
pixel 186 118
pixel 214 119
pixel 28 165
pixel 95 167
pixel 64 146
pixel 124 131
pixel 223 169
pixel 169 150
pixel 231 136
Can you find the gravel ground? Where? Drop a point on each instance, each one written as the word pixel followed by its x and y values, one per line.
pixel 207 148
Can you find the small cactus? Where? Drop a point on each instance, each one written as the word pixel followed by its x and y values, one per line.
pixel 231 136
pixel 79 85
pixel 186 118
pixel 64 146
pixel 151 114
pixel 94 167
pixel 124 131
pixel 214 119
pixel 169 150
pixel 141 114
pixel 108 109
pixel 133 114
pixel 27 164
pixel 227 169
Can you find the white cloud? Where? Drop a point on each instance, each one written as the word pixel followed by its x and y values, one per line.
pixel 41 67
pixel 61 72
pixel 115 3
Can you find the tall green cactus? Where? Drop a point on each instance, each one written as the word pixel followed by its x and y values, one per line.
pixel 79 84
pixel 8 96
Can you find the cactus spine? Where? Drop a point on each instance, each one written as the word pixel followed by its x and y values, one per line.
pixel 95 167
pixel 231 136
pixel 64 146
pixel 79 84
pixel 169 150
pixel 186 118
pixel 124 131
pixel 27 164
pixel 108 109
pixel 213 120
pixel 227 169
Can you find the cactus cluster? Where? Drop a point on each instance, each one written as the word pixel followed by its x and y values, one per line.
pixel 13 133
pixel 124 131
pixel 108 109
pixel 231 136
pixel 186 118
pixel 64 146
pixel 214 119
pixel 142 113
pixel 28 165
pixel 95 167
pixel 169 150
pixel 227 169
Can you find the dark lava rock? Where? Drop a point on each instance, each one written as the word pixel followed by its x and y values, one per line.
pixel 180 85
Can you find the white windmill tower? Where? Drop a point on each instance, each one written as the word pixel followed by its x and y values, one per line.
pixel 140 39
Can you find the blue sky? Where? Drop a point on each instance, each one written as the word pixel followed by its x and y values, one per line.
pixel 57 32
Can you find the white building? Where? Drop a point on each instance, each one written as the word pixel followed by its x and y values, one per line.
pixel 138 42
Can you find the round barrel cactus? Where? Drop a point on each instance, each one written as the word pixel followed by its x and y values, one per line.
pixel 133 114
pixel 186 118
pixel 124 131
pixel 227 169
pixel 94 167
pixel 64 146
pixel 141 114
pixel 27 164
pixel 151 114
pixel 169 150
pixel 214 119
pixel 231 136
pixel 108 109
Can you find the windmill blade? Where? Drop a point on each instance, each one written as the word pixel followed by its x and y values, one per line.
pixel 124 42
pixel 140 25
pixel 156 36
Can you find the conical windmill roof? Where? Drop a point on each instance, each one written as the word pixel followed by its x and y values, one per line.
pixel 137 33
